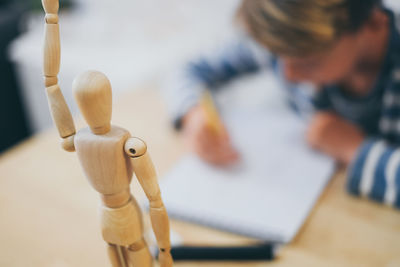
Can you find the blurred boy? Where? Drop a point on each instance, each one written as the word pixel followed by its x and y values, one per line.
pixel 349 50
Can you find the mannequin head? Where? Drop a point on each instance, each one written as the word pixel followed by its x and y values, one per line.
pixel 92 91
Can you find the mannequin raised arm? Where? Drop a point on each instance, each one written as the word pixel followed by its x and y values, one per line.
pixel 58 107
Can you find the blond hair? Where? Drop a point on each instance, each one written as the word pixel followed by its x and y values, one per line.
pixel 299 27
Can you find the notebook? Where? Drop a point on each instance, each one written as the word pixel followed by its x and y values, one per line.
pixel 269 193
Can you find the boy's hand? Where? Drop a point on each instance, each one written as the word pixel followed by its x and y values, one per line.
pixel 210 146
pixel 335 136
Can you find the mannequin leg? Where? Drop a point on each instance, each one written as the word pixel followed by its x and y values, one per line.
pixel 113 255
pixel 139 254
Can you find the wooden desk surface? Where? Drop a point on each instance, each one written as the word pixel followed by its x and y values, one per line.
pixel 48 211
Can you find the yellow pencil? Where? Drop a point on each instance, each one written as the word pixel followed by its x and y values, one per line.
pixel 213 120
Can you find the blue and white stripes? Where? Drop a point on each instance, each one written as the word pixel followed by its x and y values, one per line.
pixel 392 183
pixel 375 173
pixel 370 167
pixel 391 113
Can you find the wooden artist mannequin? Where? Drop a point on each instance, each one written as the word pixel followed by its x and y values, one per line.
pixel 109 156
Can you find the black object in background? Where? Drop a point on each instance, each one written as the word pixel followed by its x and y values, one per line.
pixel 37 5
pixel 13 123
pixel 257 252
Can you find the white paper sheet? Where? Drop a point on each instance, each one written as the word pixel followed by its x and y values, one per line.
pixel 269 194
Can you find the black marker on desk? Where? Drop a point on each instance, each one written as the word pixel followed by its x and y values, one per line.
pixel 257 252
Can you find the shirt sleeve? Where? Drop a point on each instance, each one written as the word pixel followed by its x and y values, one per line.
pixel 375 173
pixel 186 85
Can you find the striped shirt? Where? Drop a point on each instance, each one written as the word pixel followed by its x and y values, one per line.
pixel 375 172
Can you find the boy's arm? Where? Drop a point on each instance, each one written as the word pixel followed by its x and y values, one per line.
pixel 334 136
pixel 374 166
pixel 210 72
pixel 375 172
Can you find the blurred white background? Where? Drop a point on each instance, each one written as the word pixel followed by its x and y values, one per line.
pixel 133 42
